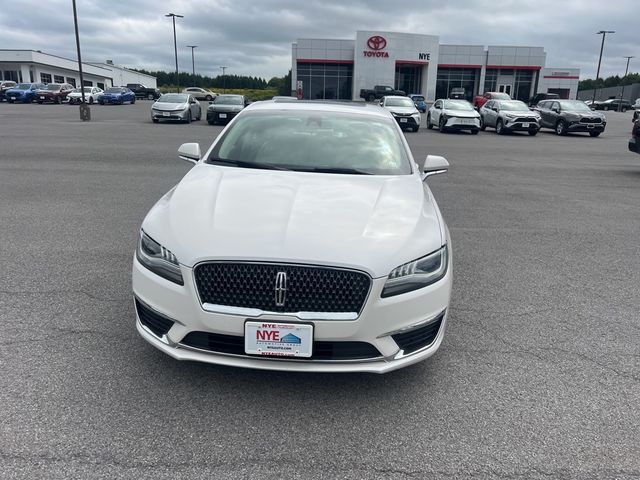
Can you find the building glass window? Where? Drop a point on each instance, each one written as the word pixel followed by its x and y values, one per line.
pixel 326 80
pixel 449 78
pixel 87 83
pixel 520 81
pixel 10 75
pixel 523 83
pixel 71 81
pixel 58 79
pixel 101 86
pixel 409 78
pixel 45 78
pixel 491 80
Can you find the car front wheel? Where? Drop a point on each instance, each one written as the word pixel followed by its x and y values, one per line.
pixel 441 126
pixel 150 96
pixel 483 127
pixel 561 128
pixel 594 134
pixel 533 133
pixel 500 130
pixel 429 125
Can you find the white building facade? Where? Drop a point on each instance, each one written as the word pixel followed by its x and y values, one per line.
pixel 416 63
pixel 30 66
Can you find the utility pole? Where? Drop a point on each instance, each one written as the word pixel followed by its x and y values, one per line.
pixel 193 59
pixel 175 44
pixel 604 35
pixel 85 111
pixel 625 74
pixel 224 80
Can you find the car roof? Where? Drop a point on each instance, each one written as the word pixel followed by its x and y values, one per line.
pixel 323 106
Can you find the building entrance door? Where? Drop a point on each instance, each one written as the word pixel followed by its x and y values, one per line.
pixel 505 88
pixel 409 78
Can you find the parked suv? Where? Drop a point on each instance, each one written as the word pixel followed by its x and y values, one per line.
pixel 4 86
pixel 23 92
pixel 565 116
pixel 200 93
pixel 538 97
pixel 509 116
pixel 144 92
pixel 54 93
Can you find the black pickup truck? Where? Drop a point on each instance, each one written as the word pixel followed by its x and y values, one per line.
pixel 144 92
pixel 378 92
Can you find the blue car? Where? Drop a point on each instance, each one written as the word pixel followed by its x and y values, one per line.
pixel 23 92
pixel 418 101
pixel 117 95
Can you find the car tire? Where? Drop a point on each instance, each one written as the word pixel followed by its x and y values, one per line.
pixel 188 119
pixel 483 127
pixel 133 100
pixel 155 120
pixel 474 132
pixel 100 102
pixel 624 109
pixel 370 98
pixel 561 128
pixel 208 98
pixel 500 130
pixel 211 122
pixel 533 133
pixel 90 100
pixel 150 96
pixel 416 128
pixel 606 109
pixel 57 100
pixel 71 101
pixel 429 124
pixel 441 126
pixel 594 134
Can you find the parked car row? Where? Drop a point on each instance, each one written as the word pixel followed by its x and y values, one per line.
pixel 185 107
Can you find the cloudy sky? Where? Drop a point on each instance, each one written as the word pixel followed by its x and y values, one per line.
pixel 254 37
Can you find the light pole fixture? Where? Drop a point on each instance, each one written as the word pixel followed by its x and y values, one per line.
pixel 85 111
pixel 175 44
pixel 224 80
pixel 604 35
pixel 625 74
pixel 193 59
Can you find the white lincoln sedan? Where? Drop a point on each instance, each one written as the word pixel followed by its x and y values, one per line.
pixel 304 239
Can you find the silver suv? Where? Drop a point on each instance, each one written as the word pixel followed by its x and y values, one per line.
pixel 509 116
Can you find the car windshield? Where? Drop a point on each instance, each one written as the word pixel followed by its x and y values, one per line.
pixel 458 105
pixel 574 106
pixel 418 98
pixel 173 98
pixel 52 86
pixel 228 100
pixel 500 96
pixel 313 141
pixel 513 106
pixel 114 90
pixel 24 86
pixel 398 102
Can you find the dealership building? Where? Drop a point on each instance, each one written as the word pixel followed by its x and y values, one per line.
pixel 29 66
pixel 415 63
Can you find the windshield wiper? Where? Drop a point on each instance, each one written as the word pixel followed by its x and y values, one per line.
pixel 345 170
pixel 243 164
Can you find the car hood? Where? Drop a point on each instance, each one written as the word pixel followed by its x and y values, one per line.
pixel 17 90
pixel 225 108
pixel 373 223
pixel 113 94
pixel 166 107
pixel 404 110
pixel 460 113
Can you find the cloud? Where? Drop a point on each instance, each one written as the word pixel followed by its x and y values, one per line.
pixel 254 37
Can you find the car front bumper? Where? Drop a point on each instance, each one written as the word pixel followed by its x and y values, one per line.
pixel 172 115
pixel 417 311
pixel 412 121
pixel 461 123
pixel 585 127
pixel 521 126
pixel 213 116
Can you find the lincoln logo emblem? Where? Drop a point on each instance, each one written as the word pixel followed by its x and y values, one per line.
pixel 376 42
pixel 281 288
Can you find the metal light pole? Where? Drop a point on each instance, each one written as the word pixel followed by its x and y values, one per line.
pixel 625 74
pixel 193 59
pixel 175 44
pixel 224 80
pixel 85 111
pixel 604 35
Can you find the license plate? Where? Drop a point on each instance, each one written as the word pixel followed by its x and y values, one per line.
pixel 222 115
pixel 278 339
pixel 166 114
pixel 467 121
pixel 525 125
pixel 590 126
pixel 41 98
pixel 403 120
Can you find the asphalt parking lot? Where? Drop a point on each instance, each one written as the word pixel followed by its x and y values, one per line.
pixel 538 375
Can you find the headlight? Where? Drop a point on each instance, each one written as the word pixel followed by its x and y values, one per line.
pixel 511 115
pixel 417 274
pixel 158 259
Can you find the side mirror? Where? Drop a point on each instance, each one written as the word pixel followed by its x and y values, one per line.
pixel 433 165
pixel 189 152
